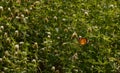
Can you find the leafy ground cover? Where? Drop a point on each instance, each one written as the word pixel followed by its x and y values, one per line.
pixel 42 36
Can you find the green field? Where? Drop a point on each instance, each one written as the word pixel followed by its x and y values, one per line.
pixel 42 36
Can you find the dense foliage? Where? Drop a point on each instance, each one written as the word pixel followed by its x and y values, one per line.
pixel 42 36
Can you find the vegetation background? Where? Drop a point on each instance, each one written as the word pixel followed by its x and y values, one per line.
pixel 39 36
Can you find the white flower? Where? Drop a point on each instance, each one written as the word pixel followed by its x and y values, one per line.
pixel 1 8
pixel 8 40
pixel 111 6
pixel 53 68
pixel 49 33
pixel 9 9
pixel 64 19
pixel 17 17
pixel 35 45
pixel 16 33
pixel 26 17
pixel 74 35
pixel 7 53
pixel 1 59
pixel 16 47
pixel 2 27
pixel 86 13
pixel 26 10
pixel 22 15
pixel 55 17
pixel 21 43
pixel 74 57
pixel 49 36
pixel 7 24
pixel 57 29
pixel 43 49
pixel 5 34
pixel 34 60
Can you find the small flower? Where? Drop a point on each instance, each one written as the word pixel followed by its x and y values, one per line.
pixel 26 17
pixel 49 33
pixel 75 57
pixel 16 47
pixel 63 19
pixel 1 8
pixel 34 60
pixel 111 6
pixel 1 59
pixel 31 8
pixel 57 29
pixel 16 53
pixel 74 35
pixel 9 9
pixel 53 68
pixel 24 20
pixel 58 37
pixel 2 27
pixel 66 30
pixel 5 34
pixel 57 71
pixel 7 53
pixel 5 68
pixel 46 19
pixel 36 2
pixel 43 49
pixel 26 11
pixel 86 13
pixel 76 70
pixel 35 45
pixel 21 43
pixel 49 36
pixel 7 24
pixel 8 40
pixel 16 33
pixel 22 15
pixel 55 17
pixel 17 17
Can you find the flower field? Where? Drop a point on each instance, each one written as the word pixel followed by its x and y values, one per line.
pixel 59 36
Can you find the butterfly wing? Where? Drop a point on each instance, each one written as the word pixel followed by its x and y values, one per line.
pixel 82 41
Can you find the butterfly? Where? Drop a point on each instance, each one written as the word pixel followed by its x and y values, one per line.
pixel 82 41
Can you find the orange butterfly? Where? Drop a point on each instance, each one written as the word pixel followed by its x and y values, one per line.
pixel 82 41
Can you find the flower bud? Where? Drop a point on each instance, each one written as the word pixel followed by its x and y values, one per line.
pixel 57 71
pixel 74 35
pixel 75 57
pixel 2 27
pixel 63 19
pixel 53 68
pixel 34 60
pixel 22 15
pixel 26 11
pixel 1 59
pixel 8 40
pixel 16 47
pixel 1 8
pixel 7 53
pixel 55 17
pixel 5 34
pixel 35 45
pixel 16 33
pixel 86 13
pixel 21 43
pixel 9 9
